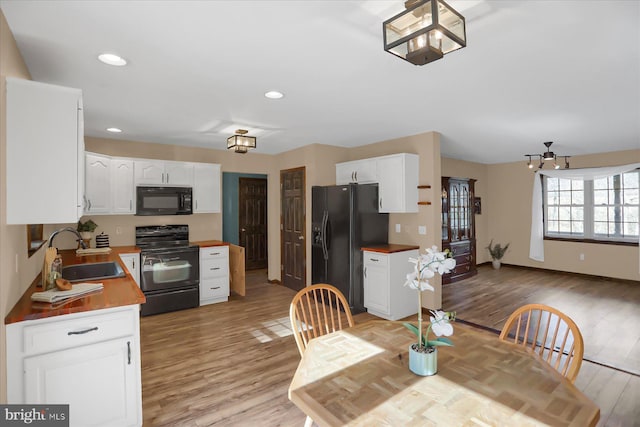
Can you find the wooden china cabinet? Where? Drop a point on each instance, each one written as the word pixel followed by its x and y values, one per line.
pixel 458 226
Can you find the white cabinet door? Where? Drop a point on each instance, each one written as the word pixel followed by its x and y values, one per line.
pixel 122 186
pixel 65 377
pixel 376 283
pixel 149 172
pixel 206 188
pixel 178 174
pixel 132 261
pixel 97 184
pixel 44 153
pixel 358 171
pixel 398 183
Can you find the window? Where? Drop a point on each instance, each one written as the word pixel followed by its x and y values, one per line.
pixel 605 209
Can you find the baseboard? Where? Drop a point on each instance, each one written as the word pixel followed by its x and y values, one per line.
pixel 548 270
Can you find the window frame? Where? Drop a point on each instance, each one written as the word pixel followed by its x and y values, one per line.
pixel 588 235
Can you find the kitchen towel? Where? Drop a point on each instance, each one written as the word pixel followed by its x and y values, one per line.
pixel 54 296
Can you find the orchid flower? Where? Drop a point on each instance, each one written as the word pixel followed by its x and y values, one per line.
pixel 425 267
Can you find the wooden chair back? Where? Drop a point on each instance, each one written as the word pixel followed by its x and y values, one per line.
pixel 318 310
pixel 550 333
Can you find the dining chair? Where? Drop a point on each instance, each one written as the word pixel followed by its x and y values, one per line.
pixel 550 333
pixel 318 310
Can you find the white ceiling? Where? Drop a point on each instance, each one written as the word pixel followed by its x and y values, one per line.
pixel 532 71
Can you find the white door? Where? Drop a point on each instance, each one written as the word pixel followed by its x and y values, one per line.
pixel 97 381
pixel 376 285
pixel 149 172
pixel 122 187
pixel 97 184
pixel 390 184
pixel 206 188
pixel 178 174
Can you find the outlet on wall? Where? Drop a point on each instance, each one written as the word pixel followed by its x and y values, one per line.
pixel 581 257
pixel 118 230
pixel 422 229
pixel 398 228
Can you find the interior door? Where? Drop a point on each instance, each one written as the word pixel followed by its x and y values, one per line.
pixel 292 226
pixel 252 221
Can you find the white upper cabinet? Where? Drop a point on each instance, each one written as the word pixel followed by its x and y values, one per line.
pixel 206 188
pixel 398 183
pixel 397 177
pixel 97 184
pixel 122 188
pixel 45 153
pixel 358 171
pixel 160 172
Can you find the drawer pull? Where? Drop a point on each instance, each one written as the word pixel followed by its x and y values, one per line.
pixel 128 352
pixel 373 259
pixel 215 268
pixel 95 328
pixel 217 287
pixel 214 253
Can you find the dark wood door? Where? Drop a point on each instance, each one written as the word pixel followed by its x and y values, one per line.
pixel 252 221
pixel 292 226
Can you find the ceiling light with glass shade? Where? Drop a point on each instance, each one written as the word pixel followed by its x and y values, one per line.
pixel 425 32
pixel 241 142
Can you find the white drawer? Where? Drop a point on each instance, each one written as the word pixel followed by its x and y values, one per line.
pixel 214 267
pixel 71 333
pixel 214 288
pixel 374 258
pixel 214 252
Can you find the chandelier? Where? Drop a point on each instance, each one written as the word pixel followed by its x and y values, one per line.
pixel 424 32
pixel 547 156
pixel 241 142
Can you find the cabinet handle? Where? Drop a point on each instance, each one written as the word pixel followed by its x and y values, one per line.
pixel 374 259
pixel 217 287
pixel 89 203
pixel 84 331
pixel 133 263
pixel 365 272
pixel 356 176
pixel 128 352
pixel 130 204
pixel 380 202
pixel 196 204
pixel 352 178
pixel 167 177
pixel 214 253
pixel 215 268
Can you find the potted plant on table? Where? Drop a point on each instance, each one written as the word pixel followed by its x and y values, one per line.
pixel 423 355
pixel 497 251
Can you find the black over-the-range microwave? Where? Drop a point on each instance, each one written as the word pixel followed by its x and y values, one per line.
pixel 164 201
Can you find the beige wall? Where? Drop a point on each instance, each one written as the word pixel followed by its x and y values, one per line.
pixel 13 238
pixel 508 210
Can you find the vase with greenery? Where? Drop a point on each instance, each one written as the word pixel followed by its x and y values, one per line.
pixel 423 355
pixel 86 229
pixel 497 251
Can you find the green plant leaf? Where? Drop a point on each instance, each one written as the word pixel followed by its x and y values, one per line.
pixel 412 328
pixel 439 342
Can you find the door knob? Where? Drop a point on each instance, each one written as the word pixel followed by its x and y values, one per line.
pixel 300 237
pixel 243 230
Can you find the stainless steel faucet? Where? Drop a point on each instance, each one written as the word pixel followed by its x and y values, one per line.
pixel 55 233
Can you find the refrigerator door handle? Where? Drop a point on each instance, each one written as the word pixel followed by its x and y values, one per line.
pixel 325 218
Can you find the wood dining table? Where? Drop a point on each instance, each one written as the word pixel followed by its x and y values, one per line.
pixel 359 376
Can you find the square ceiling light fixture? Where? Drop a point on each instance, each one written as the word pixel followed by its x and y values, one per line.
pixel 241 142
pixel 424 32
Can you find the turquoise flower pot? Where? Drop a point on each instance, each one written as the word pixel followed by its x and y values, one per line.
pixel 423 364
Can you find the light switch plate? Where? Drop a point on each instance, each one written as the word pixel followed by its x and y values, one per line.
pixel 422 229
pixel 398 228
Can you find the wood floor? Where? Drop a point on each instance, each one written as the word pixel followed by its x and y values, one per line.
pixel 231 364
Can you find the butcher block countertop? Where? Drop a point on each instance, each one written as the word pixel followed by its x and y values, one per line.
pixel 209 243
pixel 390 248
pixel 116 293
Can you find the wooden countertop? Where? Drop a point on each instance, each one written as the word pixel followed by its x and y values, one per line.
pixel 390 248
pixel 209 243
pixel 116 293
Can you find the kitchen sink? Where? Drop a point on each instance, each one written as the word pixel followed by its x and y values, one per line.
pixel 92 271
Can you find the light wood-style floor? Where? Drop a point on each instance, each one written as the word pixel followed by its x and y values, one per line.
pixel 231 364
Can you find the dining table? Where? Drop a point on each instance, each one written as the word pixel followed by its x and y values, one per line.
pixel 359 376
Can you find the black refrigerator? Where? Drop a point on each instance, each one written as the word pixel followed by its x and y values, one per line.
pixel 344 219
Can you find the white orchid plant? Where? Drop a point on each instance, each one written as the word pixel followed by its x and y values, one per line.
pixel 426 267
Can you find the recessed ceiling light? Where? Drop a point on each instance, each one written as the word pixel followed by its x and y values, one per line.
pixel 274 94
pixel 112 59
pixel 114 130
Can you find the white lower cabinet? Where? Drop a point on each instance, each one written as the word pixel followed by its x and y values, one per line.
pixel 132 261
pixel 384 292
pixel 90 361
pixel 214 274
